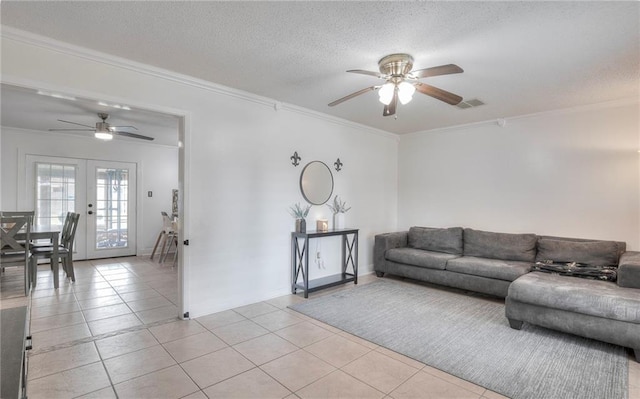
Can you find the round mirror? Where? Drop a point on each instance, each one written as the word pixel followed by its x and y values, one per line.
pixel 316 183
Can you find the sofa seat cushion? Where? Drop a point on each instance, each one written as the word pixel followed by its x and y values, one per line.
pixel 438 240
pixel 506 246
pixel 419 257
pixel 591 297
pixel 507 270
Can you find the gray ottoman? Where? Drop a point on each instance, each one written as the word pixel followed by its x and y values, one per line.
pixel 590 308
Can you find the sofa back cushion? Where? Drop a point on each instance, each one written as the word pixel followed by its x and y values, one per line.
pixel 588 252
pixel 486 244
pixel 448 241
pixel 622 246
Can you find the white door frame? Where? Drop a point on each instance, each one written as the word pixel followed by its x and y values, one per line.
pixel 184 161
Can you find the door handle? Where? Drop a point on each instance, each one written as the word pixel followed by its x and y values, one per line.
pixel 90 212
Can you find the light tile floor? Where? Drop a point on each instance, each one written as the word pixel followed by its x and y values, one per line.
pixel 114 334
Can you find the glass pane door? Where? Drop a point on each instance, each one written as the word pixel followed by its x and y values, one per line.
pixel 55 186
pixel 102 192
pixel 55 194
pixel 110 209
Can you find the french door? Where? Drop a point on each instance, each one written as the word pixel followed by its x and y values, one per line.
pixel 103 192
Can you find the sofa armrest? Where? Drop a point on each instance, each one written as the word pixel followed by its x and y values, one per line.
pixel 629 270
pixel 384 242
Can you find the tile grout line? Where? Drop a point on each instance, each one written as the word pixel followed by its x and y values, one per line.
pixel 102 336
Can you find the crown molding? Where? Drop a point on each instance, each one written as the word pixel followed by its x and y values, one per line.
pixel 563 111
pixel 138 67
pixel 123 63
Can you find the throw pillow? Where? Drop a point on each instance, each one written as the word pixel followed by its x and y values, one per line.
pixel 573 269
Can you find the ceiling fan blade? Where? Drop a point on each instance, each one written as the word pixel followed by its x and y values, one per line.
pixel 350 96
pixel 72 130
pixel 440 94
pixel 74 123
pixel 391 108
pixel 124 127
pixel 437 71
pixel 369 73
pixel 132 135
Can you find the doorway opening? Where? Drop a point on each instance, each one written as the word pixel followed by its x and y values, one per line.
pixel 125 201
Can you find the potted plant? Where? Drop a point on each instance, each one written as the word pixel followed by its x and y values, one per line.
pixel 339 208
pixel 300 213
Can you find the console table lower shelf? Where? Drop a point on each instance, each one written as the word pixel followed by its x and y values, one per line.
pixel 300 261
pixel 326 282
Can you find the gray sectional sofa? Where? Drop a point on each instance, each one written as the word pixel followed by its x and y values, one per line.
pixel 501 264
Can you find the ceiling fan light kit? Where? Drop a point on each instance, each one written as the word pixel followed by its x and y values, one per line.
pixel 405 92
pixel 103 131
pixel 103 135
pixel 386 93
pixel 401 82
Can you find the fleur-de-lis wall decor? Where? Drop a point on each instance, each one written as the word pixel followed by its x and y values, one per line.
pixel 295 159
pixel 338 165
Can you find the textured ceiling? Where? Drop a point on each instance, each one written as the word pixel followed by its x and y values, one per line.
pixel 25 109
pixel 518 57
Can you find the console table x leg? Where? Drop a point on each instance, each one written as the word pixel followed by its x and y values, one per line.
pixel 298 257
pixel 348 255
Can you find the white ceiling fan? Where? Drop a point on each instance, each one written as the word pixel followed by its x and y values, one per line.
pixel 104 130
pixel 401 82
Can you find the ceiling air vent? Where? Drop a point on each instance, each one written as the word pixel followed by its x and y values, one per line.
pixel 470 103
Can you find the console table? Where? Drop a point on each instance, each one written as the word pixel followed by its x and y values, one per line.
pixel 15 342
pixel 300 260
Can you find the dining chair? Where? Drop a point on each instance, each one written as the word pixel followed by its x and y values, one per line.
pixel 166 235
pixel 30 214
pixel 65 250
pixel 65 227
pixel 14 251
pixel 171 239
pixel 19 213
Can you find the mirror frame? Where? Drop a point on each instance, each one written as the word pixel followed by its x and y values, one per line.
pixel 302 177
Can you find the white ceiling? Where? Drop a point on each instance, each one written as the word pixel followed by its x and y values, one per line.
pixel 518 57
pixel 25 109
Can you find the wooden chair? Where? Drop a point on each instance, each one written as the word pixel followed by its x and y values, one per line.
pixel 166 235
pixel 65 250
pixel 19 213
pixel 13 251
pixel 171 238
pixel 64 231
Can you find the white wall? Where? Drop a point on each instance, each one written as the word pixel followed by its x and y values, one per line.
pixel 157 171
pixel 568 173
pixel 240 181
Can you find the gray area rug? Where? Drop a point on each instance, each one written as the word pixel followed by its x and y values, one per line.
pixel 470 338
